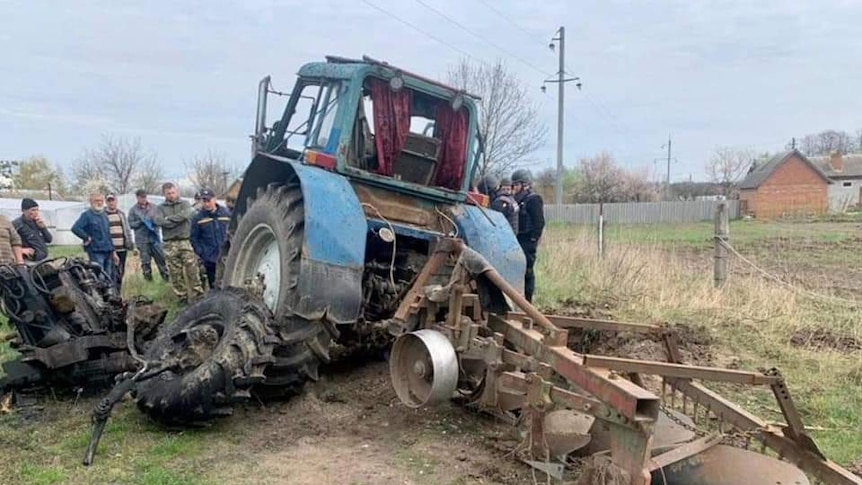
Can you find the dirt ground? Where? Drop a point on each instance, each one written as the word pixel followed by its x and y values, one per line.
pixel 350 428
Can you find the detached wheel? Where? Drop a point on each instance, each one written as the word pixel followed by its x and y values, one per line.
pixel 219 348
pixel 266 249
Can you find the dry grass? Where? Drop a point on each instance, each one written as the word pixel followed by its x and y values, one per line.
pixel 752 321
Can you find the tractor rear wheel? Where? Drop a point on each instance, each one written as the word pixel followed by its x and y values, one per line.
pixel 267 246
pixel 217 350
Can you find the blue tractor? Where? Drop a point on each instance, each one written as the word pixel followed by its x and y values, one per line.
pixel 340 209
pixel 355 227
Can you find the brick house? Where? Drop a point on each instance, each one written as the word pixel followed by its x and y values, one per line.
pixel 845 172
pixel 789 184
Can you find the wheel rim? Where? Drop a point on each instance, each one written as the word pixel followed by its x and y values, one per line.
pixel 260 255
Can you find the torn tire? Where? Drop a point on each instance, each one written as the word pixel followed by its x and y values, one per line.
pixel 217 349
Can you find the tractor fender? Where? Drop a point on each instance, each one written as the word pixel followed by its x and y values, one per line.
pixel 333 252
pixel 489 233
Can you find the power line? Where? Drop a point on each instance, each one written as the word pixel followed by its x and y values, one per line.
pixel 474 34
pixel 508 19
pixel 421 31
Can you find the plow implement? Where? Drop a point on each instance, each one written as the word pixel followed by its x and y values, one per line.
pixel 637 421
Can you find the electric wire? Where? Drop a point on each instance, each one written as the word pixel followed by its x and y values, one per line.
pixel 421 31
pixel 394 241
pixel 508 19
pixel 483 39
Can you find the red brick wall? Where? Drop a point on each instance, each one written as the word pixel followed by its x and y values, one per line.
pixel 793 189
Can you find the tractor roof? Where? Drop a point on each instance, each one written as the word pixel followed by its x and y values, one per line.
pixel 344 68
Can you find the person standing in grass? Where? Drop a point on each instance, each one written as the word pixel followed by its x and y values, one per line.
pixel 147 238
pixel 35 235
pixel 94 230
pixel 531 223
pixel 209 229
pixel 174 217
pixel 121 237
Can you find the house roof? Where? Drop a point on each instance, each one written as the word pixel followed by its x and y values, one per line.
pixel 762 172
pixel 852 166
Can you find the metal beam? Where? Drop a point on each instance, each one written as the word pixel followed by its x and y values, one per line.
pixel 633 402
pixel 595 324
pixel 666 369
pixel 822 469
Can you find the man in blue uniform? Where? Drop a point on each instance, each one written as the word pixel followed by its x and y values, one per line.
pixel 209 229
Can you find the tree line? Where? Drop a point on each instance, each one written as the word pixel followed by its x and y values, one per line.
pixel 116 165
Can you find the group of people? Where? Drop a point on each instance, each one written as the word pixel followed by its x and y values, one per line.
pixel 524 209
pixel 184 241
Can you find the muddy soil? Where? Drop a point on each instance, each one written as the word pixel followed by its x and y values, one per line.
pixel 350 428
pixel 824 339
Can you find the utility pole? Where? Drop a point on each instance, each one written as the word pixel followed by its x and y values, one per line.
pixel 561 81
pixel 669 141
pixel 670 158
pixel 561 85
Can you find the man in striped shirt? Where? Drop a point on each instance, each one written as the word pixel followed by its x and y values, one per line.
pixel 121 236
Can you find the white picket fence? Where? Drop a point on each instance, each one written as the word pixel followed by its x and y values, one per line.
pixel 674 212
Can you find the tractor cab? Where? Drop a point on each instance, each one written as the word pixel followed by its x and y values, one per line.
pixel 377 124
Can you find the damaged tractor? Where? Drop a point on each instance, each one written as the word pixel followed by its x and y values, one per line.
pixel 355 226
pixel 71 326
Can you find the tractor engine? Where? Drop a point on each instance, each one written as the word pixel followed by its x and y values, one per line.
pixel 71 324
pixel 384 284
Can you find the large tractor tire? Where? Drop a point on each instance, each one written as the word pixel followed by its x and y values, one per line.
pixel 268 243
pixel 218 349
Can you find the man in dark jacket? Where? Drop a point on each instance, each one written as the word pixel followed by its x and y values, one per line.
pixel 209 229
pixel 174 217
pixel 531 223
pixel 147 238
pixel 501 201
pixel 93 229
pixel 35 235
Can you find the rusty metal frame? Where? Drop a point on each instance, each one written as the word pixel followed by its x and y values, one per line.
pixel 528 346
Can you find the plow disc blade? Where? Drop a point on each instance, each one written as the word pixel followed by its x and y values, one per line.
pixel 567 431
pixel 727 465
pixel 667 433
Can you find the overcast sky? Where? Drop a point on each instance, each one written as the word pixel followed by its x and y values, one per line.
pixel 182 75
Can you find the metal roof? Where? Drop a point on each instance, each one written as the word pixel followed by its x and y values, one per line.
pixel 761 173
pixel 852 166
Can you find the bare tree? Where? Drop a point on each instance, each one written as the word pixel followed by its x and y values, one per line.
pixel 87 175
pixel 211 171
pixel 150 176
pixel 119 161
pixel 601 179
pixel 509 121
pixel 828 141
pixel 728 165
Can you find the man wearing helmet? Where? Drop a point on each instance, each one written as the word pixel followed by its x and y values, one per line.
pixel 531 223
pixel 501 199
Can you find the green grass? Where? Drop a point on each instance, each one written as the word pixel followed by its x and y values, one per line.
pixel 700 235
pixel 40 475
